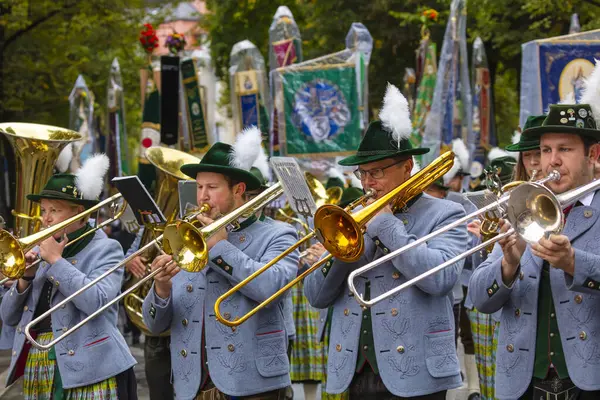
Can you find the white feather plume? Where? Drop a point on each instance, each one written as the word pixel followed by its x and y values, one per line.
pixel 89 179
pixel 355 182
pixel 516 137
pixel 333 172
pixel 262 163
pixel 246 148
pixel 395 115
pixel 461 153
pixel 568 99
pixel 64 159
pixel 416 167
pixel 497 152
pixel 591 92
pixel 461 159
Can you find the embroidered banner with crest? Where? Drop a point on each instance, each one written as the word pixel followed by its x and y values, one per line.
pixel 320 111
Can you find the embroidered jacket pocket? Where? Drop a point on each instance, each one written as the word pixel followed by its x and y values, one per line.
pixel 271 355
pixel 440 354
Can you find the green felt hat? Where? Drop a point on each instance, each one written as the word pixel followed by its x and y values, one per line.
pixel 62 187
pixel 505 167
pixel 334 182
pixel 349 195
pixel 378 144
pixel 525 142
pixel 263 181
pixel 218 159
pixel 577 119
pixel 440 183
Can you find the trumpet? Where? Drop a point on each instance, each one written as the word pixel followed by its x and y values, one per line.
pixel 190 249
pixel 341 232
pixel 90 232
pixel 531 208
pixel 12 250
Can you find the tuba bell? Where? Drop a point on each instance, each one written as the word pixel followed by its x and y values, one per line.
pixel 167 163
pixel 36 149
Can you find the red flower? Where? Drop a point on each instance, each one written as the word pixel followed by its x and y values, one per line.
pixel 148 38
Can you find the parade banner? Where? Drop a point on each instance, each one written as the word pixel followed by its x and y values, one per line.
pixel 555 69
pixel 321 111
pixel 195 111
pixel 424 93
pixel 483 117
pixel 81 120
pixel 250 97
pixel 116 144
pixel 450 116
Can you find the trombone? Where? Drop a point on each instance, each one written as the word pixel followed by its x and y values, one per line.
pixel 530 207
pixel 341 232
pixel 12 250
pixel 109 221
pixel 191 249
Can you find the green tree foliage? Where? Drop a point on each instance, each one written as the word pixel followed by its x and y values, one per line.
pixel 396 29
pixel 46 44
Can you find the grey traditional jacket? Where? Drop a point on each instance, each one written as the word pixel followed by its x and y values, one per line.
pixel 576 301
pixel 79 356
pixel 7 335
pixel 242 361
pixel 414 330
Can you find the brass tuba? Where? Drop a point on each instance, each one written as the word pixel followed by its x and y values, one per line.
pixel 167 162
pixel 36 149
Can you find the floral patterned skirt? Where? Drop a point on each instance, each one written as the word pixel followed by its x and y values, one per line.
pixel 38 380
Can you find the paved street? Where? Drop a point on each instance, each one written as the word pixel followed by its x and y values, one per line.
pixel 15 391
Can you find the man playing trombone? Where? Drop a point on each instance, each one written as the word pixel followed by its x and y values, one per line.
pixel 403 347
pixel 548 345
pixel 211 360
pixel 74 368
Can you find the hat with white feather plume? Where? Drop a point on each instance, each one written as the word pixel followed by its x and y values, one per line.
pixel 461 161
pixel 335 178
pixel 233 161
pixel 83 187
pixel 388 137
pixel 260 169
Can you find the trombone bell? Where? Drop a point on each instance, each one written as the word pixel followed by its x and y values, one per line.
pixel 186 243
pixel 339 233
pixel 12 257
pixel 534 211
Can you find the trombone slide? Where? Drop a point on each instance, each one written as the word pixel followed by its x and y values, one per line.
pixel 554 175
pixel 432 271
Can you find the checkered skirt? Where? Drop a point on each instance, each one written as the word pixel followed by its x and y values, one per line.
pixel 38 383
pixel 485 338
pixel 307 352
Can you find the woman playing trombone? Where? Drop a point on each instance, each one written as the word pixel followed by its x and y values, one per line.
pixel 75 368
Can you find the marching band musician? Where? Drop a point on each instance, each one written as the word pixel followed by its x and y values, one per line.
pixel 450 187
pixel 209 359
pixel 488 326
pixel 529 152
pixel 547 292
pixel 71 369
pixel 403 347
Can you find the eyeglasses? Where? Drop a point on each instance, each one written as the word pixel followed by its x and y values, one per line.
pixel 376 173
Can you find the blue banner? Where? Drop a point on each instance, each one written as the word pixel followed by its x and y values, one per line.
pixel 563 68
